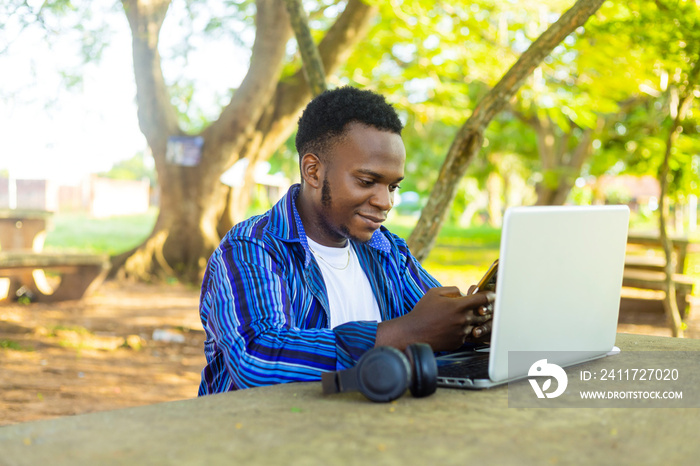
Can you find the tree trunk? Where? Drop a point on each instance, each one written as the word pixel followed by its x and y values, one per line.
pixel 560 165
pixel 259 117
pixel 673 316
pixel 470 137
pixel 678 113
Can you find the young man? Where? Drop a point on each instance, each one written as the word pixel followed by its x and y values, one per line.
pixel 316 281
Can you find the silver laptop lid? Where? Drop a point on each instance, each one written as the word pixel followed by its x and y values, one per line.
pixel 559 281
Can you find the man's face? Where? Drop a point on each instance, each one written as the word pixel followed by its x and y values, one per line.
pixel 359 180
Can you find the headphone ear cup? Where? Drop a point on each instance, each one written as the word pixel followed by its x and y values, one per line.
pixel 383 374
pixel 424 365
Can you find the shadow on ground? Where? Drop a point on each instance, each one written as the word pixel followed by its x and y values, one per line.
pixel 135 344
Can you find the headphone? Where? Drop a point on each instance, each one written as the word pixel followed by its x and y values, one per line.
pixel 384 373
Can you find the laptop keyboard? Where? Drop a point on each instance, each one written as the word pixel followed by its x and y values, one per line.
pixel 476 367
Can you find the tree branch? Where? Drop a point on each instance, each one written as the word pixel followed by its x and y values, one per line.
pixel 293 93
pixel 157 117
pixel 237 121
pixel 310 57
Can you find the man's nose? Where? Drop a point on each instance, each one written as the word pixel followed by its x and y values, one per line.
pixel 383 198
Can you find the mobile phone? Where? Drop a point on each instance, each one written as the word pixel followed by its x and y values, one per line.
pixel 488 281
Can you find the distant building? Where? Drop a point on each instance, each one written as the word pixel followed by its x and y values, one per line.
pixel 96 196
pixel 28 194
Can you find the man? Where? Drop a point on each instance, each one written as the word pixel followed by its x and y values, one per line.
pixel 316 281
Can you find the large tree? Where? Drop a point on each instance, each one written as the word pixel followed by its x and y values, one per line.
pixel 261 114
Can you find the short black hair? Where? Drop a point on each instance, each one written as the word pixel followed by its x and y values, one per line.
pixel 325 119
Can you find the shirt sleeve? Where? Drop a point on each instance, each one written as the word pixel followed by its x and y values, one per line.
pixel 416 280
pixel 247 311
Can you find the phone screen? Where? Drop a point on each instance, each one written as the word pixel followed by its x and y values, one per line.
pixel 488 281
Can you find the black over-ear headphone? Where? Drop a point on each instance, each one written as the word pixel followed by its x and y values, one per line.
pixel 384 373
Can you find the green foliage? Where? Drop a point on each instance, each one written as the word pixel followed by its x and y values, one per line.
pixel 426 146
pixel 137 167
pixel 434 61
pixel 286 159
pixel 655 68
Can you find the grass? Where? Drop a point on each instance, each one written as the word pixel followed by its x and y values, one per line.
pixel 460 256
pixel 13 345
pixel 111 235
pixel 80 338
pixel 55 330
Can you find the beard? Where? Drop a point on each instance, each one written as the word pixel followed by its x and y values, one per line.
pixel 326 223
pixel 326 194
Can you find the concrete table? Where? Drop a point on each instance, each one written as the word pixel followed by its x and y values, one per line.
pixel 23 262
pixel 23 230
pixel 294 424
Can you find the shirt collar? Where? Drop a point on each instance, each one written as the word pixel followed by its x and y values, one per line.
pixel 285 223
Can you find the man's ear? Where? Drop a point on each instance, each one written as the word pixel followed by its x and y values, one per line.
pixel 311 170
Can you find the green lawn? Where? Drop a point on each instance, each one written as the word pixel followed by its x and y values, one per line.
pixel 111 235
pixel 460 257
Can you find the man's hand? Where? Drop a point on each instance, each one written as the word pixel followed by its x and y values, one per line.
pixel 443 318
pixel 482 333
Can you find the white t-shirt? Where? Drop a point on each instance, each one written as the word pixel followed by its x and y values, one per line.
pixel 350 295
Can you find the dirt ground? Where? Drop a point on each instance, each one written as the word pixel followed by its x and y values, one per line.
pixel 126 345
pixel 135 344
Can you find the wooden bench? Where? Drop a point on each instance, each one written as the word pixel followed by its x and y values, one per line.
pixel 79 274
pixel 646 271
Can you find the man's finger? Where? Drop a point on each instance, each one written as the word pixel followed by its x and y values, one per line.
pixel 450 292
pixel 482 330
pixel 475 318
pixel 479 300
pixel 485 310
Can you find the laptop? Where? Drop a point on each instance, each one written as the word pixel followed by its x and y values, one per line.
pixel 557 290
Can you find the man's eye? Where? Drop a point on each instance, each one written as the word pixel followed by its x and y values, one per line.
pixel 366 182
pixel 394 188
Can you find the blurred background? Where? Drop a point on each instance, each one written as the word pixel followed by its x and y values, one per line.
pixel 135 133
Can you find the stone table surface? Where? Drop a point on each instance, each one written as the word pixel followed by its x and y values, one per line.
pixel 295 424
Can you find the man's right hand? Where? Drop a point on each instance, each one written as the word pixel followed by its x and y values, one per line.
pixel 443 318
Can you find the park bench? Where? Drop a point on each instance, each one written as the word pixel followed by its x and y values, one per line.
pixel 645 263
pixel 25 266
pixel 26 270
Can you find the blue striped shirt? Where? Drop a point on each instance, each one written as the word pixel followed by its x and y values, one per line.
pixel 264 305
